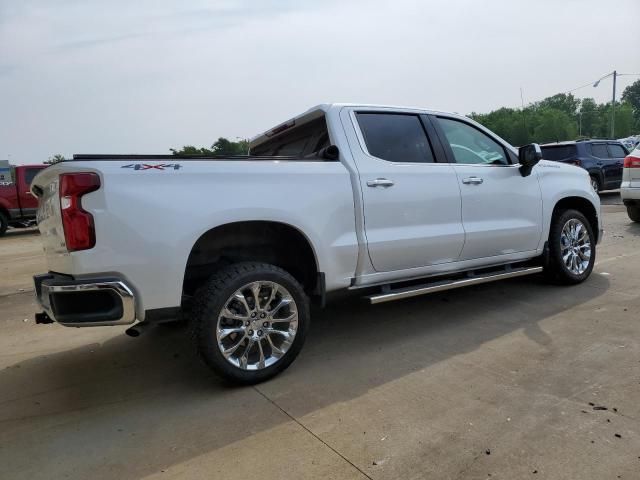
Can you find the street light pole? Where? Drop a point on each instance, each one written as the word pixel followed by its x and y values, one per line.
pixel 613 106
pixel 580 124
pixel 613 99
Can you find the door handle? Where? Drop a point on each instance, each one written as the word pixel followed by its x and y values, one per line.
pixel 472 181
pixel 380 182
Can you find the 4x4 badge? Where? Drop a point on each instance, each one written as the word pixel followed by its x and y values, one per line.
pixel 146 166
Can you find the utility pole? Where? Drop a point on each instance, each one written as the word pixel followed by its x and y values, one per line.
pixel 524 120
pixel 580 123
pixel 613 106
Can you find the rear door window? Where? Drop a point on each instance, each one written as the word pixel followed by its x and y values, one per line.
pixel 616 151
pixel 599 150
pixel 30 174
pixel 395 137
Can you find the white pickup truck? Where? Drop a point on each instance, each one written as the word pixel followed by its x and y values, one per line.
pixel 386 202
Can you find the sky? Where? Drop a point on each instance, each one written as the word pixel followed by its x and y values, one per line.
pixel 123 76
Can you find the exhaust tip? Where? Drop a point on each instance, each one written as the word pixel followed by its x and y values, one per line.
pixel 132 332
pixel 137 329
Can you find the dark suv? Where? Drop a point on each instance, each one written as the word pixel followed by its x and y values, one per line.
pixel 603 159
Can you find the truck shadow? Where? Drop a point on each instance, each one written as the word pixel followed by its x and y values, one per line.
pixel 125 393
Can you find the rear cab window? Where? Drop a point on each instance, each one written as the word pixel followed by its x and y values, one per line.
pixel 559 152
pixel 296 138
pixel 395 137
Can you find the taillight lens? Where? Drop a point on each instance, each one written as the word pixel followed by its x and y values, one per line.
pixel 575 162
pixel 79 230
pixel 631 162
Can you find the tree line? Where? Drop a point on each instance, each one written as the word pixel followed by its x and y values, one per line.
pixel 565 117
pixel 556 118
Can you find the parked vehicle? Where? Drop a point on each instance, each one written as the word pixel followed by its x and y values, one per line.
pixel 630 142
pixel 384 202
pixel 603 159
pixel 630 188
pixel 17 204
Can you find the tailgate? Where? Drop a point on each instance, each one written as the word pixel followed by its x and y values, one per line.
pixel 45 187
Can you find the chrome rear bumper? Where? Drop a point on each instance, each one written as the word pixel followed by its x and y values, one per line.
pixel 85 302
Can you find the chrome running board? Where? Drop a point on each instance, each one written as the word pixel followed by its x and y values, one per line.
pixel 390 295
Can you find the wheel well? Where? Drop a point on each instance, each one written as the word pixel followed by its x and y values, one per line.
pixel 584 206
pixel 270 242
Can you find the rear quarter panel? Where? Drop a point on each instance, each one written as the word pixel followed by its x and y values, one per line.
pixel 147 221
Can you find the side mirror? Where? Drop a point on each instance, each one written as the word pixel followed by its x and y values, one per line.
pixel 528 157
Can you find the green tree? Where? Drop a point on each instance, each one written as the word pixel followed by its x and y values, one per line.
pixel 588 116
pixel 554 125
pixel 509 123
pixel 564 102
pixel 631 95
pixel 625 121
pixel 55 159
pixel 222 146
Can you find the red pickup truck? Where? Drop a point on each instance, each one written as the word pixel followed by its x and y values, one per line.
pixel 17 205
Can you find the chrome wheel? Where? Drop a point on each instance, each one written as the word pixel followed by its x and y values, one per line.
pixel 575 243
pixel 594 184
pixel 257 325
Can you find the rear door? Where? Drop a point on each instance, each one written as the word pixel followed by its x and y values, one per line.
pixel 611 172
pixel 617 154
pixel 411 201
pixel 501 209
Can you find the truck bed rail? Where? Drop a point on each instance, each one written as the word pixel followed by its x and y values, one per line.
pixel 163 157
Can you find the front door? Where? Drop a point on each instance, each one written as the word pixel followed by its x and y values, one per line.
pixel 501 209
pixel 411 201
pixel 28 203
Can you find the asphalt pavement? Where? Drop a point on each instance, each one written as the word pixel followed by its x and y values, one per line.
pixel 511 380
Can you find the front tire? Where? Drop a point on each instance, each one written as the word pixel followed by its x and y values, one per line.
pixel 595 184
pixel 250 321
pixel 634 213
pixel 4 224
pixel 572 249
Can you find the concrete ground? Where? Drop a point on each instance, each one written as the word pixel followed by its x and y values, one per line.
pixel 496 381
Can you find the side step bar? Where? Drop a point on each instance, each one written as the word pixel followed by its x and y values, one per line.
pixel 407 292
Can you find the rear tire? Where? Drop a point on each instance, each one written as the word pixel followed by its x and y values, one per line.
pixel 250 320
pixel 572 249
pixel 634 213
pixel 4 224
pixel 595 184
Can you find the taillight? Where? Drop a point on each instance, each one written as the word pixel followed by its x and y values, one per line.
pixel 575 162
pixel 79 230
pixel 631 162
